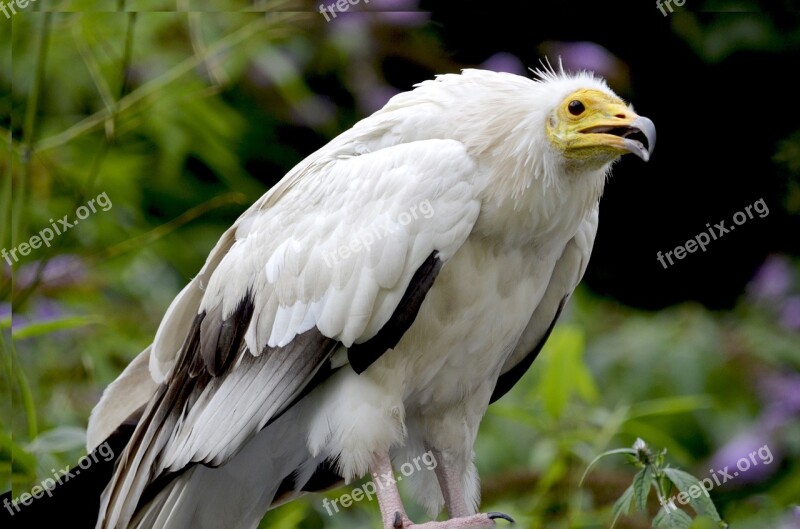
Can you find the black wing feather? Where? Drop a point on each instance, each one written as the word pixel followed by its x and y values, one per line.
pixel 363 355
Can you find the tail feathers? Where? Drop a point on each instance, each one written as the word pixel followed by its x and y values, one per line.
pixel 137 466
pixel 234 495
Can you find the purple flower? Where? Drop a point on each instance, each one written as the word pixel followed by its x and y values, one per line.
pixel 790 314
pixel 60 271
pixel 748 458
pixel 5 310
pixel 395 5
pixel 361 16
pixel 792 519
pixel 404 13
pixel 351 27
pixel 772 281
pixel 780 393
pixel 407 19
pixel 504 62
pixel 43 310
pixel 586 56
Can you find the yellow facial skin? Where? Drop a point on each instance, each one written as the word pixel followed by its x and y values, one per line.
pixel 593 127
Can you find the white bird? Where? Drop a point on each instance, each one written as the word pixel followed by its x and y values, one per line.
pixel 370 306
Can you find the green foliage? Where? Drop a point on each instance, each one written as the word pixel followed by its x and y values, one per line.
pixel 654 475
pixel 564 372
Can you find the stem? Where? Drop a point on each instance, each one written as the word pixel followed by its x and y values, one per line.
pixel 23 296
pixel 28 131
pixel 26 394
pixel 662 496
pixel 5 198
pixel 126 53
pixel 111 105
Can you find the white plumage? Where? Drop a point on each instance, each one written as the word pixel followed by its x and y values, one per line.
pixel 430 248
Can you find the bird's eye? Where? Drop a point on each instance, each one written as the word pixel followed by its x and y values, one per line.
pixel 576 108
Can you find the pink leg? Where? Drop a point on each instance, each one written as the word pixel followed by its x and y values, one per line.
pixel 394 515
pixel 451 486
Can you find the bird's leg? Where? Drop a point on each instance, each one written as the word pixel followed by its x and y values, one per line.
pixel 452 488
pixel 394 515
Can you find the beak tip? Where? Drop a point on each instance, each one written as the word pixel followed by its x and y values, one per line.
pixel 636 147
pixel 648 130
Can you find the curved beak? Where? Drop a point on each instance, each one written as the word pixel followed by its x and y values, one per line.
pixel 641 137
pixel 637 135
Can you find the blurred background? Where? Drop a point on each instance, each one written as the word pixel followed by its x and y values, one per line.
pixel 183 112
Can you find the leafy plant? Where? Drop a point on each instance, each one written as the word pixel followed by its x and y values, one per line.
pixel 654 474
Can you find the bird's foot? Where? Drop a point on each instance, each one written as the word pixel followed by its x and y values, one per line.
pixel 477 521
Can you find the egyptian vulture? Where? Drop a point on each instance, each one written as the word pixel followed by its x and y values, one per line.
pixel 370 306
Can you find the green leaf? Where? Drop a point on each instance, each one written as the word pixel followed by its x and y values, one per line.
pixel 669 518
pixel 563 354
pixel 622 505
pixel 641 487
pixel 564 373
pixel 705 522
pixel 699 498
pixel 60 439
pixel 19 457
pixel 670 406
pixel 46 327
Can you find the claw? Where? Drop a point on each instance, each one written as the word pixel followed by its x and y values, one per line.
pixel 500 515
pixel 398 520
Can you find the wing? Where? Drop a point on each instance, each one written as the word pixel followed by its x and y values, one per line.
pixel 340 254
pixel 123 398
pixel 567 273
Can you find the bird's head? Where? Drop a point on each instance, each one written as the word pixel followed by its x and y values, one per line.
pixel 593 126
pixel 558 122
